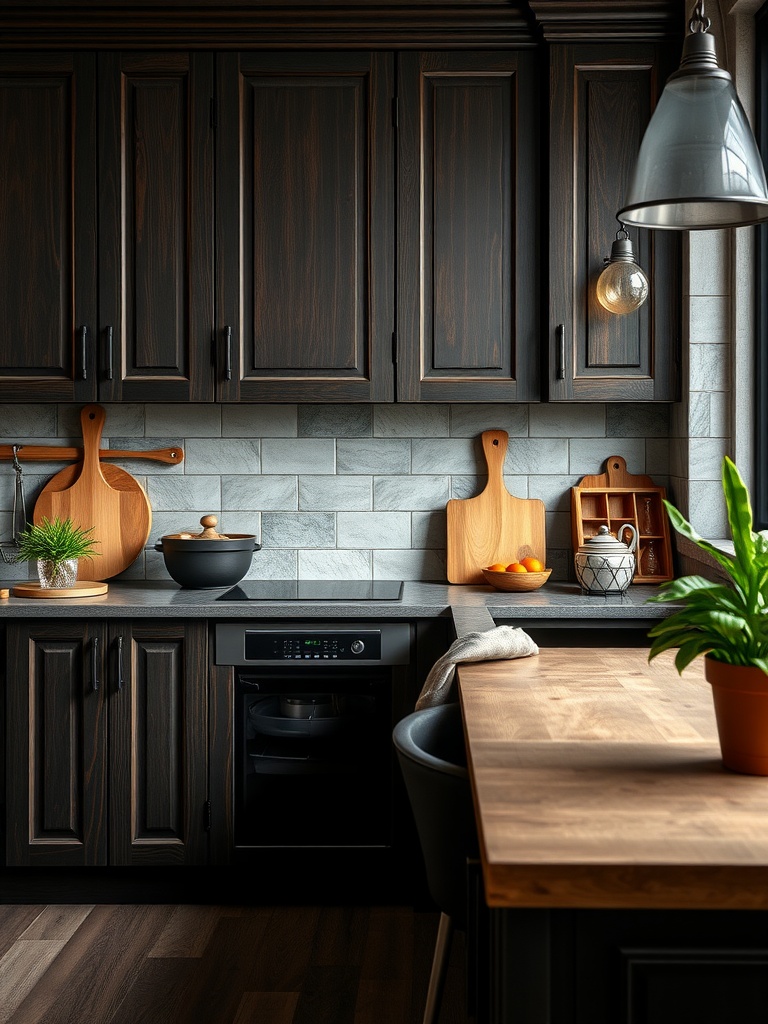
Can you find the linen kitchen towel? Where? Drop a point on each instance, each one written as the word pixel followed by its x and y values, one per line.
pixel 492 645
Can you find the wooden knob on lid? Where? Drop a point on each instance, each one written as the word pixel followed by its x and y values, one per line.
pixel 209 529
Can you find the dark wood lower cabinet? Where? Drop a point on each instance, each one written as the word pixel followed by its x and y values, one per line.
pixel 107 739
pixel 624 966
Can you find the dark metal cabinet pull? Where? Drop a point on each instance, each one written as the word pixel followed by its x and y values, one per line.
pixel 83 352
pixel 110 356
pixel 95 664
pixel 228 353
pixel 119 663
pixel 561 351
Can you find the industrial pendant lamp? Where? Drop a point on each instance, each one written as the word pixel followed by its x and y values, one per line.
pixel 622 286
pixel 699 165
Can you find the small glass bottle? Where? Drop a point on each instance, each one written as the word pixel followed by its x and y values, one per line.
pixel 651 560
pixel 646 518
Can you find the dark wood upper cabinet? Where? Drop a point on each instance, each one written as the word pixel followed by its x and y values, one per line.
pixel 144 166
pixel 362 219
pixel 305 227
pixel 602 97
pixel 467 227
pixel 106 743
pixel 155 227
pixel 47 226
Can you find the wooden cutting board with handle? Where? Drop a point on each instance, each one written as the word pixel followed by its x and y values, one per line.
pixel 494 526
pixel 102 496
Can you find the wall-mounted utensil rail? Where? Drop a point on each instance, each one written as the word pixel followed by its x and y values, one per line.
pixel 54 453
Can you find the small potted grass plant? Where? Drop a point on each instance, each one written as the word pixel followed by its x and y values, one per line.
pixel 727 623
pixel 56 547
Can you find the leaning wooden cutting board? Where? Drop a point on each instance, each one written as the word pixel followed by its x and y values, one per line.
pixel 494 526
pixel 105 497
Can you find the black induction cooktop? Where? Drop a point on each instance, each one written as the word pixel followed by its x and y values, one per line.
pixel 315 590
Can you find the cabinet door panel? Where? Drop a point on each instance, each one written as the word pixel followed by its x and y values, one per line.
pixel 158 743
pixel 156 227
pixel 56 792
pixel 47 227
pixel 472 254
pixel 602 99
pixel 305 232
pixel 623 966
pixel 467 216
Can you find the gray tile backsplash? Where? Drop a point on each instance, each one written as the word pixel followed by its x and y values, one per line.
pixel 336 491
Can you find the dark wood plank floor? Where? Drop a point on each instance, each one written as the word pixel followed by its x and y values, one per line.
pixel 191 964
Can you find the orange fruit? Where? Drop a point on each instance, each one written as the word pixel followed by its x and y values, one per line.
pixel 497 567
pixel 532 564
pixel 516 567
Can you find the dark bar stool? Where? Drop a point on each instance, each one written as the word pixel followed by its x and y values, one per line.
pixel 432 756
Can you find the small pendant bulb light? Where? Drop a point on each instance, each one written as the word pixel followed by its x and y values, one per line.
pixel 622 286
pixel 699 165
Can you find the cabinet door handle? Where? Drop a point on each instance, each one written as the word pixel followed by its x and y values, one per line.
pixel 227 353
pixel 119 663
pixel 83 352
pixel 561 351
pixel 95 664
pixel 110 358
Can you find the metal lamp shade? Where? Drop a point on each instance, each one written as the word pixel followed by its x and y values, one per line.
pixel 699 166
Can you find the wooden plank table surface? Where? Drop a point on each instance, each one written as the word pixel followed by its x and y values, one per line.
pixel 598 782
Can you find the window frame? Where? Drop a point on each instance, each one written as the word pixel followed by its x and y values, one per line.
pixel 760 510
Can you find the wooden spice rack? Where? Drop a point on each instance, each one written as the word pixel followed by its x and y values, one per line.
pixel 617 497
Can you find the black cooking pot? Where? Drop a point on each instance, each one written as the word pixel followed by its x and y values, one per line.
pixel 208 560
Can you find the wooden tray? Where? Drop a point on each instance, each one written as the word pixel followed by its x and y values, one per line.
pixel 617 497
pixel 82 588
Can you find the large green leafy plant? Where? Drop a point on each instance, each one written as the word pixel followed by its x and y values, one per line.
pixel 56 542
pixel 727 621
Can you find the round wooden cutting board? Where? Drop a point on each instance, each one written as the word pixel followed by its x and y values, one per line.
pixel 102 496
pixel 80 589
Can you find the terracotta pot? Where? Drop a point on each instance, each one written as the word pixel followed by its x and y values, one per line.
pixel 740 694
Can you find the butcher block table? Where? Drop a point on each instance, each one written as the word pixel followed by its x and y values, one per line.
pixel 614 845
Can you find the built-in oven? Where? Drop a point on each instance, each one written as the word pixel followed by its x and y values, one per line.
pixel 314 708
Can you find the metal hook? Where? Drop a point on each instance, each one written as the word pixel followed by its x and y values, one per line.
pixel 15 449
pixel 699 21
pixel 622 231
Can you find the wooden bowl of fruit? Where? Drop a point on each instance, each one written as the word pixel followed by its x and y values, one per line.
pixel 527 574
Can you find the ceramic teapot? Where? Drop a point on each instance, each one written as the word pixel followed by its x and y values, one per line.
pixel 605 565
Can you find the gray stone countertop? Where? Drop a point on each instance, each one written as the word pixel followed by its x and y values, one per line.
pixel 469 605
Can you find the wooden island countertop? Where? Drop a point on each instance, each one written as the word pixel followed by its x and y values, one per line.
pixel 598 783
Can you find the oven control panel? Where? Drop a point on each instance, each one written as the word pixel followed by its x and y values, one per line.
pixel 336 645
pixel 315 643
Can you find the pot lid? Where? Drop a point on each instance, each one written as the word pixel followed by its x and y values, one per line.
pixel 605 543
pixel 208 532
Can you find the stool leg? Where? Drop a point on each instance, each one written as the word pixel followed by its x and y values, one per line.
pixel 439 970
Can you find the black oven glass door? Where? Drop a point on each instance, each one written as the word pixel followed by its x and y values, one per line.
pixel 313 757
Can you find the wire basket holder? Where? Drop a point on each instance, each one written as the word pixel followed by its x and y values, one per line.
pixel 10 550
pixel 601 575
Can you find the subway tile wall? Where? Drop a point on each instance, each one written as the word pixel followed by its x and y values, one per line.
pixel 342 491
pixel 708 431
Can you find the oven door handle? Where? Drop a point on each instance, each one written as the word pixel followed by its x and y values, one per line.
pixel 247 683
